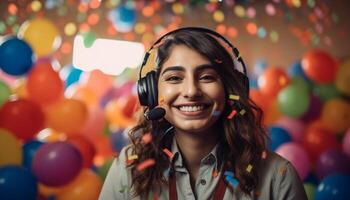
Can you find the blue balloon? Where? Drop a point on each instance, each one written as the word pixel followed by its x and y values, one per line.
pixel 123 17
pixel 334 187
pixel 118 140
pixel 17 183
pixel 259 67
pixel 16 56
pixel 29 150
pixel 311 178
pixel 278 137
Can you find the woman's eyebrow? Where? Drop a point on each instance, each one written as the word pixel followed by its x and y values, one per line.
pixel 180 68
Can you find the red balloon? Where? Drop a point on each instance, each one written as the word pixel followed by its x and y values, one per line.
pixel 44 84
pixel 21 117
pixel 85 147
pixel 319 66
pixel 272 81
pixel 317 140
pixel 129 104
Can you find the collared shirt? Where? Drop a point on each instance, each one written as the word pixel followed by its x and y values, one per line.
pixel 277 180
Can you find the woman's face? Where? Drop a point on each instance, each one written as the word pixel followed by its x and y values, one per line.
pixel 190 91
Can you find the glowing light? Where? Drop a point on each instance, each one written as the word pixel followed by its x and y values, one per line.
pixel 12 9
pixel 109 56
pixel 270 9
pixel 95 4
pixel 140 28
pixel 251 28
pixel 83 7
pixel 274 36
pixel 239 11
pixel 70 29
pixel 84 27
pixel 66 48
pixel 221 28
pixel 178 8
pixel 36 5
pixel 148 11
pixel 261 32
pixel 232 32
pixel 251 12
pixel 218 16
pixel 93 19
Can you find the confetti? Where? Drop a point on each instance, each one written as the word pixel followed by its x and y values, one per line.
pixel 233 181
pixel 215 173
pixel 264 155
pixel 242 112
pixel 249 168
pixel 234 97
pixel 147 138
pixel 168 153
pixel 133 157
pixel 129 162
pixel 232 114
pixel 145 164
pixel 218 61
pixel 229 173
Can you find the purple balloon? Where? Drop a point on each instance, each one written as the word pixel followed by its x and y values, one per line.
pixel 346 142
pixel 57 163
pixel 332 161
pixel 314 110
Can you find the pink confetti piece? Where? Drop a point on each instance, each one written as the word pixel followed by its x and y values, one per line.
pixel 147 138
pixel 264 155
pixel 168 153
pixel 145 164
pixel 232 114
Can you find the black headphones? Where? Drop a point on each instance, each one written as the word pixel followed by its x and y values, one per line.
pixel 147 88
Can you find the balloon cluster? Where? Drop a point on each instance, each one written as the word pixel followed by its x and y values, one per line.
pixel 59 127
pixel 307 111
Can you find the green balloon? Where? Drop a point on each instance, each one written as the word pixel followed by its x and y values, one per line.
pixel 301 82
pixel 310 190
pixel 293 100
pixel 326 91
pixel 103 170
pixel 5 92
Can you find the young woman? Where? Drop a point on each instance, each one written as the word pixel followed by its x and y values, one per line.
pixel 211 143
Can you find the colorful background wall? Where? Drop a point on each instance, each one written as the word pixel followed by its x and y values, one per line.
pixel 61 126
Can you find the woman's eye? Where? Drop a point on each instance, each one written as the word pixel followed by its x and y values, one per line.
pixel 173 79
pixel 207 78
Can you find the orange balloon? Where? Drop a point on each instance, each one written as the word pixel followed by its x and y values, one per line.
pixel 48 191
pixel 319 66
pixel 116 117
pixel 260 99
pixel 85 147
pixel 95 122
pixel 336 115
pixel 98 82
pixel 272 81
pixel 86 95
pixel 66 115
pixel 44 85
pixel 86 186
pixel 273 113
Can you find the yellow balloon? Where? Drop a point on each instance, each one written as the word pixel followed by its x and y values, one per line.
pixel 342 80
pixel 42 35
pixel 11 149
pixel 336 115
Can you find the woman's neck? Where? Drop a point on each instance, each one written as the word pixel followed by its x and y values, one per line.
pixel 194 147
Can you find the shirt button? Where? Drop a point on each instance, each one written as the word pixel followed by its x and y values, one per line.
pixel 203 182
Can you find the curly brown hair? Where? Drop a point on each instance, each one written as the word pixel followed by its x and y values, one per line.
pixel 243 137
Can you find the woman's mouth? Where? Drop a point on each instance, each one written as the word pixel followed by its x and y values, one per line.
pixel 193 110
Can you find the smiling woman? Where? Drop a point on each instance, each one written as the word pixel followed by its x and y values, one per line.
pixel 211 143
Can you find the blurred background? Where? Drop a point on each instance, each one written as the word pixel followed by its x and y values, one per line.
pixel 67 85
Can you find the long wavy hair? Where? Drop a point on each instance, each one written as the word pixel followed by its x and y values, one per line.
pixel 243 137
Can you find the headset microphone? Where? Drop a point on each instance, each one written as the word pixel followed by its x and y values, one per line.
pixel 155 114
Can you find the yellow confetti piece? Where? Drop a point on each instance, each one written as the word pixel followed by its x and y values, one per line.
pixel 242 112
pixel 145 164
pixel 249 168
pixel 234 97
pixel 147 138
pixel 168 153
pixel 264 155
pixel 133 157
pixel 232 114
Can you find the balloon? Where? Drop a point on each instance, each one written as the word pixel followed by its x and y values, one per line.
pixel 95 122
pixel 123 18
pixel 115 116
pixel 129 104
pixel 22 118
pixel 326 91
pixel 118 140
pixel 29 150
pixel 278 137
pixel 310 190
pixel 333 187
pixel 314 109
pixel 98 82
pixel 16 56
pixel 260 99
pixel 293 101
pixel 11 151
pixel 70 74
pixel 17 183
pixel 342 80
pixel 86 95
pixel 272 81
pixel 296 70
pixel 44 85
pixel 272 115
pixel 346 142
pixel 85 147
pixel 332 161
pixel 57 163
pixel 294 127
pixel 41 34
pixel 296 154
pixel 336 115
pixel 86 186
pixel 50 135
pixel 114 93
pixel 49 192
pixel 319 66
pixel 316 141
pixel 301 83
pixel 5 92
pixel 66 115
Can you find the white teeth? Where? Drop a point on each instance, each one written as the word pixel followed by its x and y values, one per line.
pixel 191 108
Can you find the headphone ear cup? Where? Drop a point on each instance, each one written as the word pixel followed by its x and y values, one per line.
pixel 142 91
pixel 244 80
pixel 147 90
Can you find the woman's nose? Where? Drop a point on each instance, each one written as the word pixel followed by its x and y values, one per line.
pixel 191 89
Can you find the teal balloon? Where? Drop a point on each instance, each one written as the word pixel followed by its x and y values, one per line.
pixel 326 91
pixel 293 100
pixel 310 190
pixel 5 92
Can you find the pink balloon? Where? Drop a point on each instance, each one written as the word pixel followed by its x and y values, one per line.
pixel 296 154
pixel 294 127
pixel 346 142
